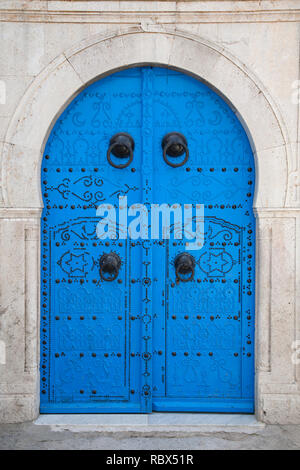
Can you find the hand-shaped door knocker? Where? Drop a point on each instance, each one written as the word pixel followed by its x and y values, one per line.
pixel 175 145
pixel 121 146
pixel 110 264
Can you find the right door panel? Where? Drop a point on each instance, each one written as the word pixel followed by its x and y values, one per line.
pixel 203 329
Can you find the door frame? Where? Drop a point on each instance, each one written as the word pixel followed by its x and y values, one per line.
pixel 98 56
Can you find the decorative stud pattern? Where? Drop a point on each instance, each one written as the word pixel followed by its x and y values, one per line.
pixel 96 338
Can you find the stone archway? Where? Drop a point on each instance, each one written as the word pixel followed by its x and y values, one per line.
pixel 29 128
pixel 69 73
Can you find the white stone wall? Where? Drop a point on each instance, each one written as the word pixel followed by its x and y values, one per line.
pixel 247 50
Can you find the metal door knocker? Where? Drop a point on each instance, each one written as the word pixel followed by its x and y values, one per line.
pixel 110 264
pixel 121 146
pixel 184 267
pixel 175 145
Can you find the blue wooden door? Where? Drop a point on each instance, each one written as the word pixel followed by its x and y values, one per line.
pixel 147 338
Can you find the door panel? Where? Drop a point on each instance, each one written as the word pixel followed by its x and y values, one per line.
pixel 146 340
pixel 91 356
pixel 204 328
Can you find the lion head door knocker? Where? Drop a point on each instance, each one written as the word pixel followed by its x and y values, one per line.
pixel 121 146
pixel 110 264
pixel 175 145
pixel 184 267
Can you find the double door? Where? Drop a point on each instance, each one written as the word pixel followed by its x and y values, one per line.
pixel 136 314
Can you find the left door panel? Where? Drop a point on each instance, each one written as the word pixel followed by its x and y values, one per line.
pixel 87 330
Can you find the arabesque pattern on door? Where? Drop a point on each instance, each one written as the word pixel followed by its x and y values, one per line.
pixel 147 341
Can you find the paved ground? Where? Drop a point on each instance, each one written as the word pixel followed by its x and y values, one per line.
pixel 31 436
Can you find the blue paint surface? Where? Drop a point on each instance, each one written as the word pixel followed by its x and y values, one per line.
pixel 144 341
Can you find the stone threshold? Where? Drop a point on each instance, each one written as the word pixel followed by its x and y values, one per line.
pixel 155 423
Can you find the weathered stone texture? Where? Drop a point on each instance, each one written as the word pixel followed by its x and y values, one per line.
pixel 249 52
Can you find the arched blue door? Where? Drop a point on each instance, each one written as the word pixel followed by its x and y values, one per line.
pixel 128 324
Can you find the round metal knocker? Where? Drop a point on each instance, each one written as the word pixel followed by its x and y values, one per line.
pixel 110 264
pixel 175 145
pixel 121 146
pixel 184 267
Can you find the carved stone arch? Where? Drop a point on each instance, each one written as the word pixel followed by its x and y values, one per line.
pixel 98 56
pixel 22 150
